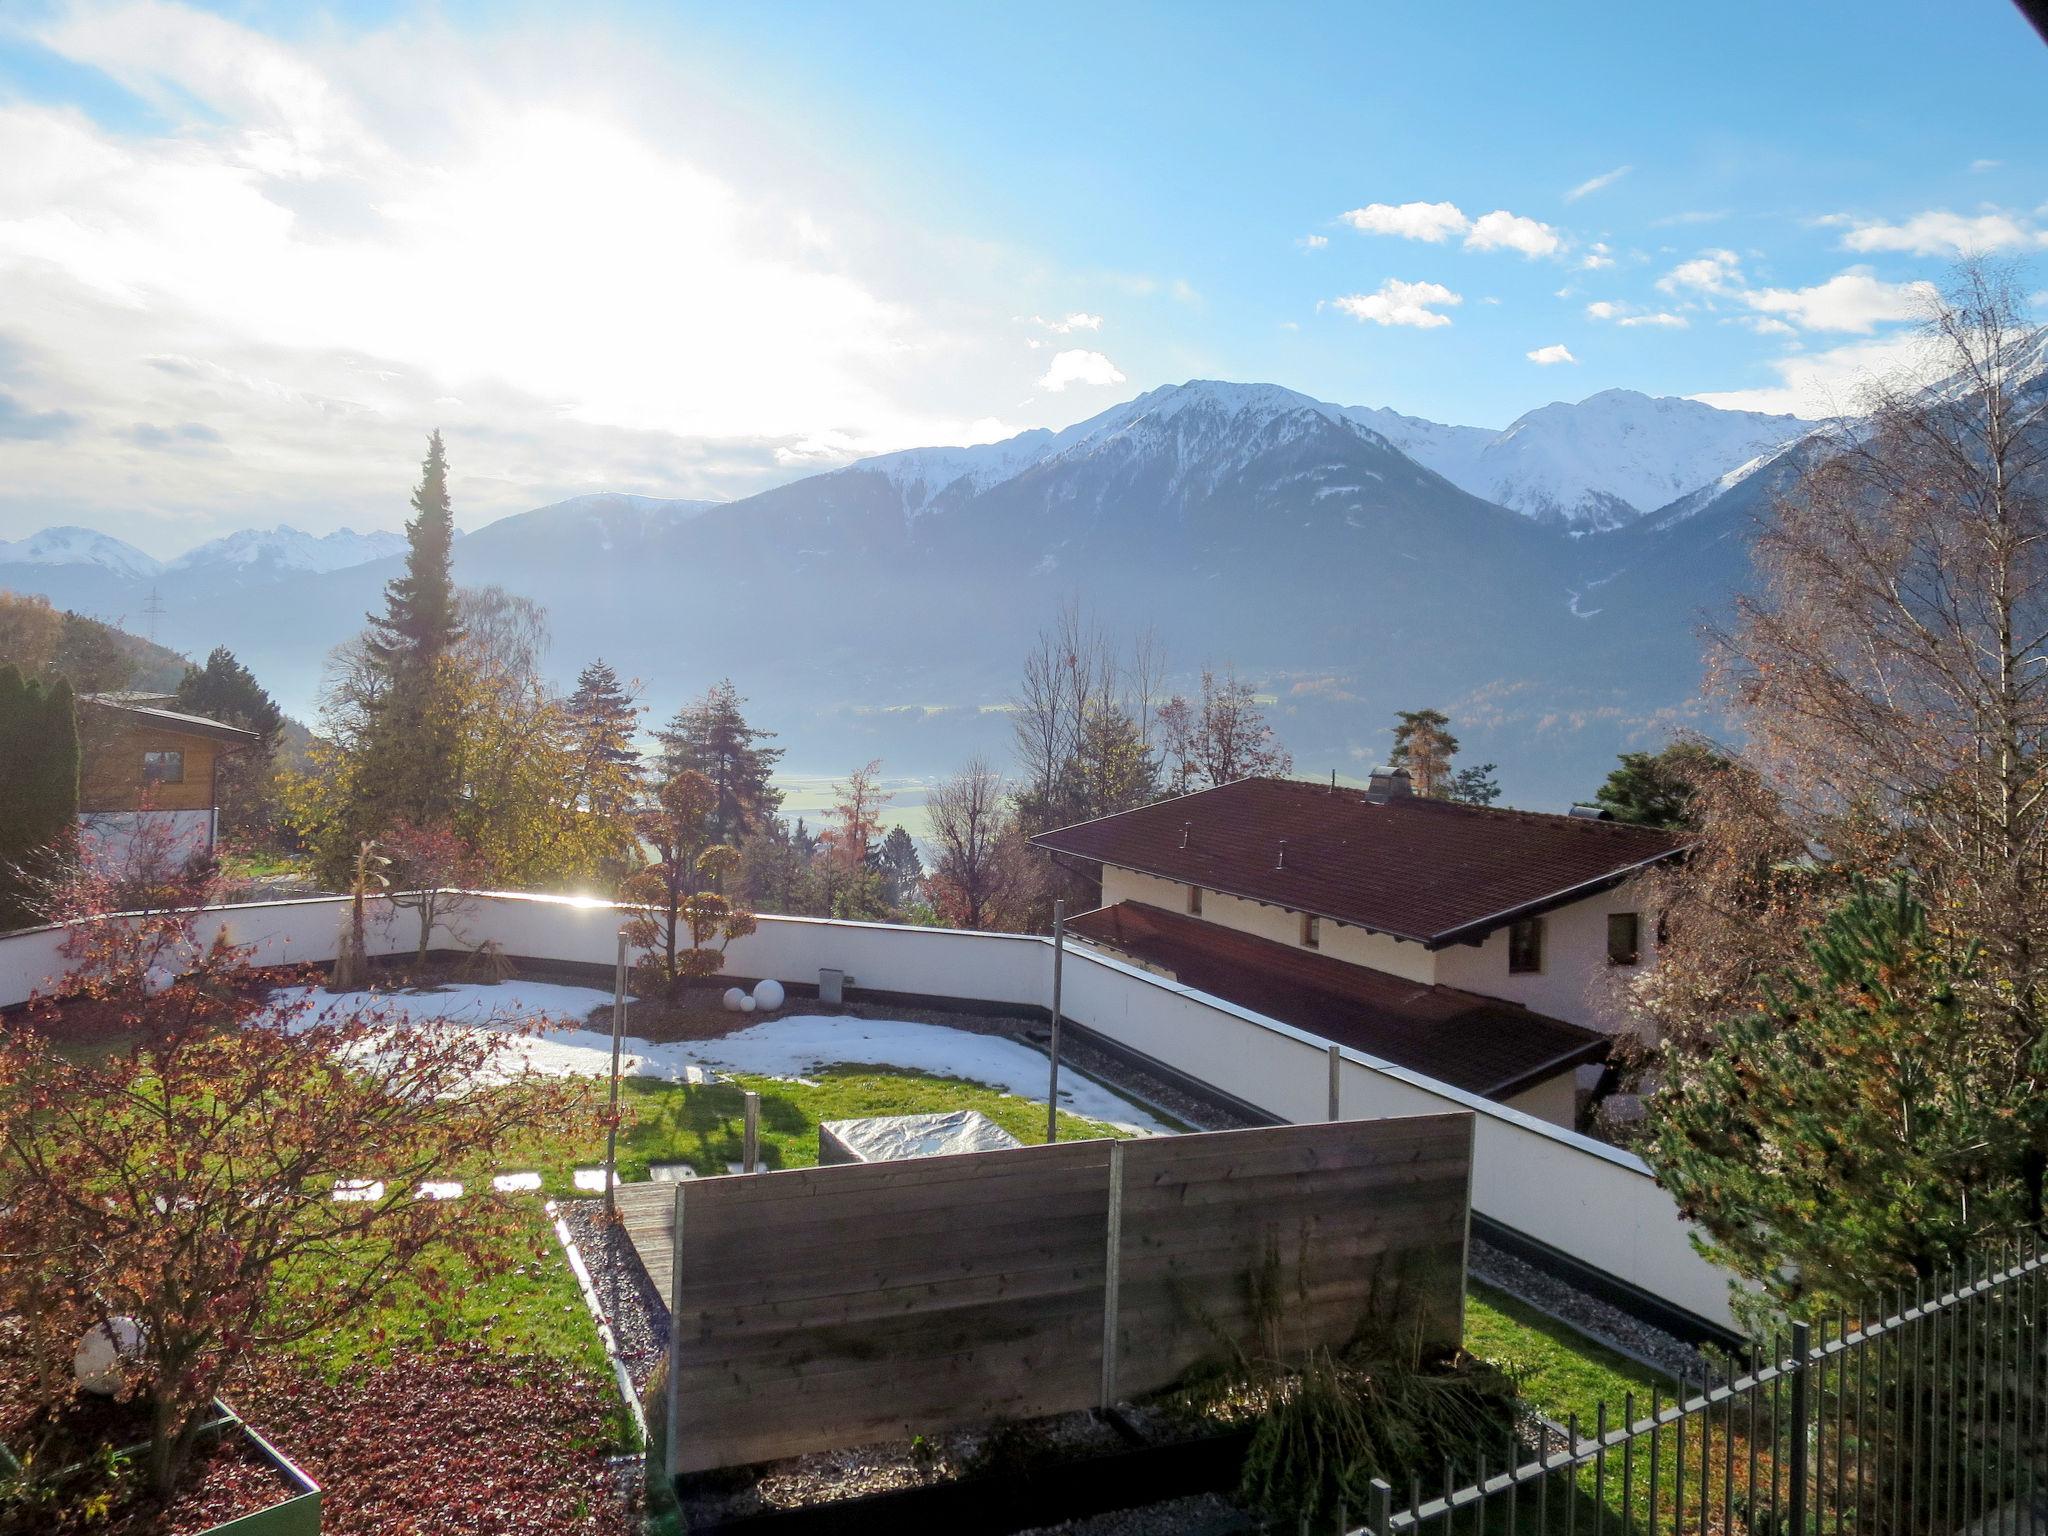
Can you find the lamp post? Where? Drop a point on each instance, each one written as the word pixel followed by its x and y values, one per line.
pixel 611 1134
pixel 1059 952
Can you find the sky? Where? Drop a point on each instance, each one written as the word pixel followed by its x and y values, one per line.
pixel 250 255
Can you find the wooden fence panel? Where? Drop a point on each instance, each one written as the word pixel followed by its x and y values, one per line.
pixel 830 1306
pixel 1274 1240
pixel 825 1307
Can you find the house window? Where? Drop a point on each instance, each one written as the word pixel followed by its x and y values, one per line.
pixel 1311 931
pixel 1624 938
pixel 1525 947
pixel 163 767
pixel 1194 901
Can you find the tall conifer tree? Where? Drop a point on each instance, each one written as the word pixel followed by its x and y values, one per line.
pixel 39 769
pixel 711 736
pixel 410 766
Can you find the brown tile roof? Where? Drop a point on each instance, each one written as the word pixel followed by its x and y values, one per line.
pixel 1427 870
pixel 1476 1043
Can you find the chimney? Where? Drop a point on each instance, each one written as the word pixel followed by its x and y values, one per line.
pixel 1281 862
pixel 1388 783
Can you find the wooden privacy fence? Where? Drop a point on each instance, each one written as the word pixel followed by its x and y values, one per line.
pixel 823 1307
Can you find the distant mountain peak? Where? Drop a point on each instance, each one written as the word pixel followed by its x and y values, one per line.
pixel 68 545
pixel 287 549
pixel 1603 462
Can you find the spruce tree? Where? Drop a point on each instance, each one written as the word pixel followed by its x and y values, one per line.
pixel 227 691
pixel 1865 1128
pixel 411 768
pixel 419 623
pixel 603 719
pixel 902 869
pixel 711 736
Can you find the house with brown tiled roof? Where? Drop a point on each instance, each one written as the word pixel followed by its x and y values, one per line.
pixel 1477 946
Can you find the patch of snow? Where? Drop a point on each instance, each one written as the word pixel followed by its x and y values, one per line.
pixel 803 1043
pixel 515 1183
pixel 365 1191
pixel 787 1047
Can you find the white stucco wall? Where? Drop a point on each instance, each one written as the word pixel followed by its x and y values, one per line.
pixel 1576 983
pixel 1397 957
pixel 1594 1202
pixel 107 839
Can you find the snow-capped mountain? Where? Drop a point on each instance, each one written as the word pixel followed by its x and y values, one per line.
pixel 1598 464
pixel 69 546
pixel 285 549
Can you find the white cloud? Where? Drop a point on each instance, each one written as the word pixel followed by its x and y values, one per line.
pixel 1822 384
pixel 1544 357
pixel 1605 309
pixel 1763 325
pixel 1849 301
pixel 1712 271
pixel 1597 256
pixel 1313 242
pixel 1939 233
pixel 1658 318
pixel 1079 367
pixel 1630 315
pixel 1593 184
pixel 1501 230
pixel 1399 303
pixel 319 249
pixel 1069 323
pixel 1985 165
pixel 1433 222
pixel 1690 216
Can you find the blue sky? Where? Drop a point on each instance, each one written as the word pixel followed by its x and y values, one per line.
pixel 248 254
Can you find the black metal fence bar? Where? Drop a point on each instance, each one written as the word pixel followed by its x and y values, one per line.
pixel 1927 1421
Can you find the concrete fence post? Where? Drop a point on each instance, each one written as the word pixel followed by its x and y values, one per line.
pixel 1336 1081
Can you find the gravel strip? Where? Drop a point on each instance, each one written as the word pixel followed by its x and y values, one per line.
pixel 1601 1320
pixel 638 1316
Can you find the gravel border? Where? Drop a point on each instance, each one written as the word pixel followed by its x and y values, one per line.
pixel 1599 1320
pixel 636 1311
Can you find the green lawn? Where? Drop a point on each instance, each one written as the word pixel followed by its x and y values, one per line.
pixel 1564 1373
pixel 525 1301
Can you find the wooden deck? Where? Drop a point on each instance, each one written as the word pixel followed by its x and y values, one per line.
pixel 649 1211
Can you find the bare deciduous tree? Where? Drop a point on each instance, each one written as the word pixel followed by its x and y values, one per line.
pixel 981 874
pixel 1891 676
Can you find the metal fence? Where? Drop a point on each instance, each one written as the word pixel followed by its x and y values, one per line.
pixel 1932 1418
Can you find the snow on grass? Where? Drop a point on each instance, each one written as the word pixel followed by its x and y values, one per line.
pixel 790 1047
pixel 786 1047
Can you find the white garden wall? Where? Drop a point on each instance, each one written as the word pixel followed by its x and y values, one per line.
pixel 1591 1201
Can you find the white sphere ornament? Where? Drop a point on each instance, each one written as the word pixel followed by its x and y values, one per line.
pixel 733 998
pixel 768 995
pixel 100 1363
pixel 746 1004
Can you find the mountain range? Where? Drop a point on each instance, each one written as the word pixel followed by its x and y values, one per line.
pixel 1541 584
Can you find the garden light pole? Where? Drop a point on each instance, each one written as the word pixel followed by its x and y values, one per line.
pixel 611 1134
pixel 1059 954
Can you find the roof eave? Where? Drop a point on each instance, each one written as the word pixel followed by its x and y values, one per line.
pixel 1479 928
